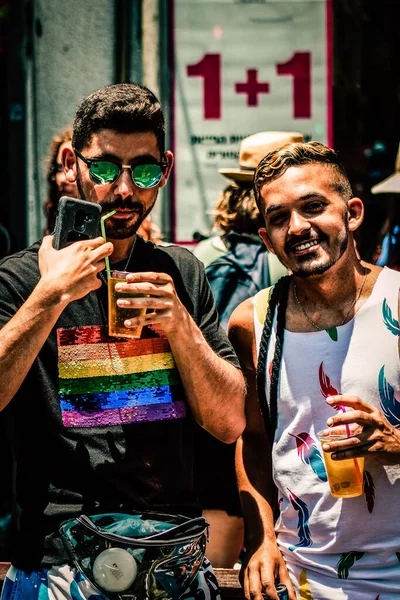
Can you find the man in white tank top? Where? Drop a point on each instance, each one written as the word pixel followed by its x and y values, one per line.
pixel 326 343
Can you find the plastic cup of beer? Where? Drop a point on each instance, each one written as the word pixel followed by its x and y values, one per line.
pixel 345 477
pixel 118 315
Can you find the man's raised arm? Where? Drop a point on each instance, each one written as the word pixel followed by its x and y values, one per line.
pixel 66 275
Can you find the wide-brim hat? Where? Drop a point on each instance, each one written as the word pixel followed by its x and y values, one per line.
pixel 390 185
pixel 254 147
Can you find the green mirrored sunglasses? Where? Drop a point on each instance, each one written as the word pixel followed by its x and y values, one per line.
pixel 144 175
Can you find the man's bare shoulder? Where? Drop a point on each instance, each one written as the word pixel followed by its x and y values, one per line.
pixel 242 316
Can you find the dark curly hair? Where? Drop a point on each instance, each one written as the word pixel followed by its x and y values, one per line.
pixel 123 107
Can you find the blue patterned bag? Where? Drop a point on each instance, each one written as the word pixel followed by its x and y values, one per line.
pixel 139 556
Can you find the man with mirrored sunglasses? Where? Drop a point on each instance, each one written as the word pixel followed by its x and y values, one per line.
pixel 144 175
pixel 103 425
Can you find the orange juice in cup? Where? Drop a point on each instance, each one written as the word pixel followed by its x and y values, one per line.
pixel 345 477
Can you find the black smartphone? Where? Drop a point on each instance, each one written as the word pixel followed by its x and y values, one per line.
pixel 76 220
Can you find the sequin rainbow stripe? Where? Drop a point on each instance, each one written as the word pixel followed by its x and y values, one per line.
pixel 115 381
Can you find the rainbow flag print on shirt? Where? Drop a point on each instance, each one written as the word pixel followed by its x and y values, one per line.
pixel 115 381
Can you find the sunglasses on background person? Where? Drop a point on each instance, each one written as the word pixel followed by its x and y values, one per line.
pixel 144 175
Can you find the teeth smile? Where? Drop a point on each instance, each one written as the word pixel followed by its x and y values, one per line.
pixel 306 245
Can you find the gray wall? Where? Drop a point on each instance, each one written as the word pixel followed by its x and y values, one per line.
pixel 74 53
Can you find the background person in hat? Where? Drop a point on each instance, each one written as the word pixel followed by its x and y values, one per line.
pixel 390 254
pixel 237 266
pixel 246 266
pixel 236 209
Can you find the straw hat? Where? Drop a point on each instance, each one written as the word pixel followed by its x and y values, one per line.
pixel 254 148
pixel 391 185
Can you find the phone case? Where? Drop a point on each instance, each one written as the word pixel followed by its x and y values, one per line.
pixel 76 220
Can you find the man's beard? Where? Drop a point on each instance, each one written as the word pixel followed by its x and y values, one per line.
pixel 117 229
pixel 308 269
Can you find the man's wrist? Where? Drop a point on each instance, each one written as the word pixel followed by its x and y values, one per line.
pixel 49 297
pixel 267 536
pixel 185 331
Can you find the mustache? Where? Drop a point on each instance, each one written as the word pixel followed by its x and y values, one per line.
pixel 294 240
pixel 122 203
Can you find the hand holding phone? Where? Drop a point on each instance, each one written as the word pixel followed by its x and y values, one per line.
pixel 76 220
pixel 72 272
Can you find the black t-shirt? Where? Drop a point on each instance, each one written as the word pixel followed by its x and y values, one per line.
pixel 101 424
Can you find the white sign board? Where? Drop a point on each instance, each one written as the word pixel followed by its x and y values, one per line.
pixel 242 66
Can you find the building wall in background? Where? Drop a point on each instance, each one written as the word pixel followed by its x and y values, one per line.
pixel 58 52
pixel 73 54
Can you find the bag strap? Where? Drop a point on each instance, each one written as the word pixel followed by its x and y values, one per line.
pixel 190 527
pixel 262 300
pixel 277 298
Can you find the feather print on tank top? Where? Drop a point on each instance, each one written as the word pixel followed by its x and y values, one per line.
pixel 302 525
pixel 309 454
pixel 305 592
pixel 346 561
pixel 391 323
pixel 389 405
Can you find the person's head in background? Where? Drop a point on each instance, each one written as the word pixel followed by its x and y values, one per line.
pixel 236 209
pixel 57 185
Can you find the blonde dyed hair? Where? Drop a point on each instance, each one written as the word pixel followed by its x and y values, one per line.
pixel 274 164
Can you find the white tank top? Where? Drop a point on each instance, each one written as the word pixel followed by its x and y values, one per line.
pixel 352 545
